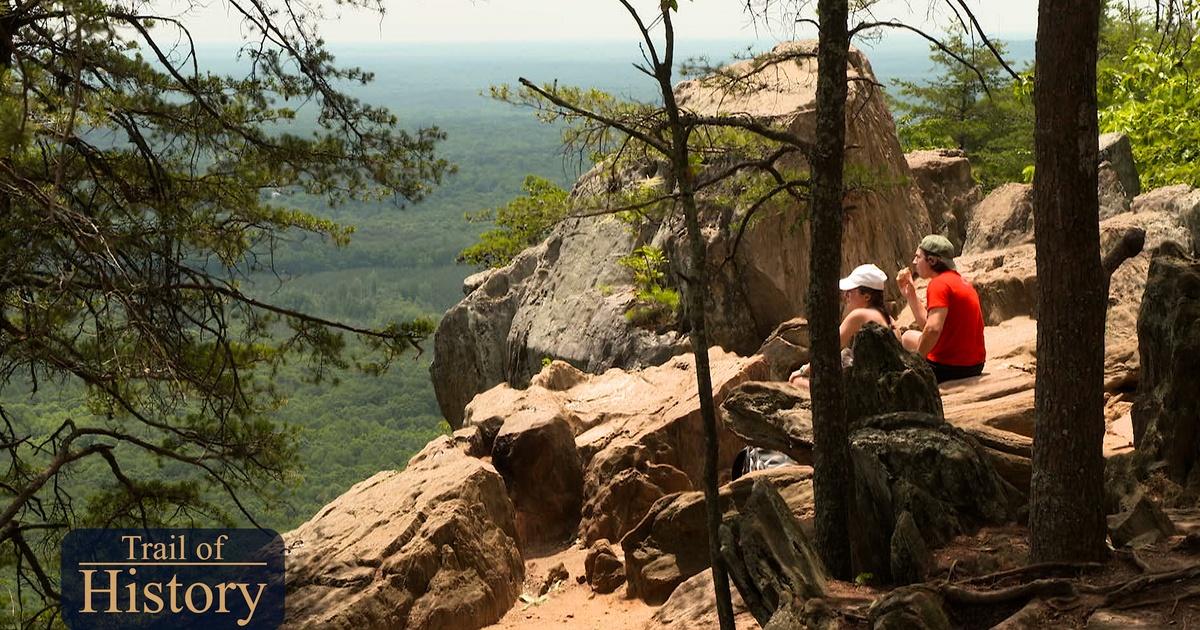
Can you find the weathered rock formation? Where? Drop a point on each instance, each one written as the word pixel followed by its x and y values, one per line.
pixel 1166 414
pixel 431 547
pixel 567 297
pixel 604 571
pixel 948 188
pixel 670 544
pixel 633 437
pixel 692 607
pixel 1006 277
pixel 918 463
pixel 1003 219
pixel 535 452
pixel 1118 152
pixel 768 555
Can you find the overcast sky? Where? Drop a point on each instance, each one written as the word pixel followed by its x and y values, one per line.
pixel 566 20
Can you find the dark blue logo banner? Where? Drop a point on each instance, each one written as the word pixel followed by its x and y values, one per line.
pixel 173 578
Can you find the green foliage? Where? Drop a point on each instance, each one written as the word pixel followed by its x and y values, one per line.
pixel 523 222
pixel 579 131
pixel 994 127
pixel 657 304
pixel 139 195
pixel 1151 93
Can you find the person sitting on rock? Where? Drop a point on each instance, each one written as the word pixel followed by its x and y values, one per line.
pixel 951 321
pixel 862 291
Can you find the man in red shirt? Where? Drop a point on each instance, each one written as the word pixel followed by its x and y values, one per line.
pixel 951 337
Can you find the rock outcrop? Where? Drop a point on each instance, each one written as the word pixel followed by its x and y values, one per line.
pixel 1003 219
pixel 670 545
pixel 917 463
pixel 693 607
pixel 651 419
pixel 768 555
pixel 567 297
pixel 1116 149
pixel 948 188
pixel 1166 414
pixel 1006 277
pixel 599 450
pixel 431 547
pixel 603 570
pixel 535 452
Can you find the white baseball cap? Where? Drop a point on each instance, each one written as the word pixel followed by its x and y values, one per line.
pixel 867 275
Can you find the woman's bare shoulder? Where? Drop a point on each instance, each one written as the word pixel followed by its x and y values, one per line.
pixel 864 315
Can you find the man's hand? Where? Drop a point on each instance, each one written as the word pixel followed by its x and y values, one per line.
pixel 904 280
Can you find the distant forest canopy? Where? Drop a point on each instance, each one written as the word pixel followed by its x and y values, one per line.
pixel 400 262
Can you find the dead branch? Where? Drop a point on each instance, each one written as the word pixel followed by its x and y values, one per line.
pixel 1044 588
pixel 1043 568
pixel 1130 245
pixel 931 39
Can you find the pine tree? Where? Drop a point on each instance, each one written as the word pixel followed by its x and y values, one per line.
pixel 991 124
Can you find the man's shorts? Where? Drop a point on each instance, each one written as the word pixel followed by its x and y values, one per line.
pixel 944 372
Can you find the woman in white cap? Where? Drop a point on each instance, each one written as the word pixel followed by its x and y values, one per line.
pixel 862 291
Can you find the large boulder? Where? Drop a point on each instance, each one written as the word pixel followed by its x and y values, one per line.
pixel 1116 149
pixel 651 417
pixel 620 504
pixel 885 378
pixel 768 555
pixel 535 453
pixel 433 546
pixel 670 545
pixel 1003 219
pixel 918 463
pixel 567 297
pixel 948 188
pixel 770 415
pixel 1112 197
pixel 786 348
pixel 1180 201
pixel 601 449
pixel 1166 412
pixel 602 569
pixel 693 607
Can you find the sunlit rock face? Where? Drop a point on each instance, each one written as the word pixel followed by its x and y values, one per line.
pixel 567 298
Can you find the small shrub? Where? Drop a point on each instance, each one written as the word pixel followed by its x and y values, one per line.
pixel 657 304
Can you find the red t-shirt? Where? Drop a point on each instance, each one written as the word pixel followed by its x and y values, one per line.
pixel 961 342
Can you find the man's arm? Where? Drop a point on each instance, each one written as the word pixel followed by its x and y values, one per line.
pixel 932 330
pixel 904 281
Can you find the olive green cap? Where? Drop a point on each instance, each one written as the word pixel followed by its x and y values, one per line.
pixel 940 246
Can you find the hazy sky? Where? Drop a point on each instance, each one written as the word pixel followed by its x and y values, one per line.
pixel 566 20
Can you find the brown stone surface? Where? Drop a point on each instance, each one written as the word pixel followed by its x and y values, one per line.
pixel 431 547
pixel 638 436
pixel 604 570
pixel 671 543
pixel 535 453
pixel 1003 219
pixel 948 188
pixel 620 504
pixel 692 606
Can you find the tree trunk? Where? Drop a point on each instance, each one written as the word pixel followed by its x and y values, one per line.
pixel 1066 498
pixel 832 481
pixel 696 290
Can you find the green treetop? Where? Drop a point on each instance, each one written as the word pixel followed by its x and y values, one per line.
pixel 991 124
pixel 135 196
